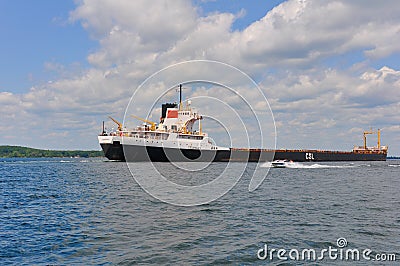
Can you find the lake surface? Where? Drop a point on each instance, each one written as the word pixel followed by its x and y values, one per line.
pixel 91 211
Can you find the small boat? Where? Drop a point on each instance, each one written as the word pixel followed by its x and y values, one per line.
pixel 282 163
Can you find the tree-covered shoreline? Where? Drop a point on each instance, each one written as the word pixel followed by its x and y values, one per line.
pixel 25 152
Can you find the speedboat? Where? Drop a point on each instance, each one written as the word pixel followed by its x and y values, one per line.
pixel 282 163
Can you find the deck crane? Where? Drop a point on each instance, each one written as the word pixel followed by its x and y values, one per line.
pixel 120 126
pixel 368 132
pixel 153 125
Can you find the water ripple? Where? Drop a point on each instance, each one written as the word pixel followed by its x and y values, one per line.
pixel 83 212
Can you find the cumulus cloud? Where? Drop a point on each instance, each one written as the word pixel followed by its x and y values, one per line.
pixel 300 33
pixel 132 31
pixel 286 51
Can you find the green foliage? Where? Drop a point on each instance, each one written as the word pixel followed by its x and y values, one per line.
pixel 18 151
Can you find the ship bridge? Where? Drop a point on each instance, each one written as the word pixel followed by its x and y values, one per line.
pixel 181 120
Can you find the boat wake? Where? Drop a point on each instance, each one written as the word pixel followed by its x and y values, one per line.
pixel 297 165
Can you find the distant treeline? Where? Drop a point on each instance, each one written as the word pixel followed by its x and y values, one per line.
pixel 18 151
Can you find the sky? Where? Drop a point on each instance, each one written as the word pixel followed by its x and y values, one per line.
pixel 329 69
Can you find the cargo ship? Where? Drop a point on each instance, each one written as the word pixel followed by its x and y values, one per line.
pixel 174 138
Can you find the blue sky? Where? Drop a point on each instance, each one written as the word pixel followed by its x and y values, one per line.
pixel 35 32
pixel 328 68
pixel 253 10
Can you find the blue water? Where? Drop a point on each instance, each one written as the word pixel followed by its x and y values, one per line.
pixel 91 211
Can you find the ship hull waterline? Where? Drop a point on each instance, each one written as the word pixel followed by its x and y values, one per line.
pixel 135 153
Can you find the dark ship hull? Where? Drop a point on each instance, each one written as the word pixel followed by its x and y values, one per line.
pixel 132 153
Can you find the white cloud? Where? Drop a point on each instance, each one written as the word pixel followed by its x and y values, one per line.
pixel 132 31
pixel 301 32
